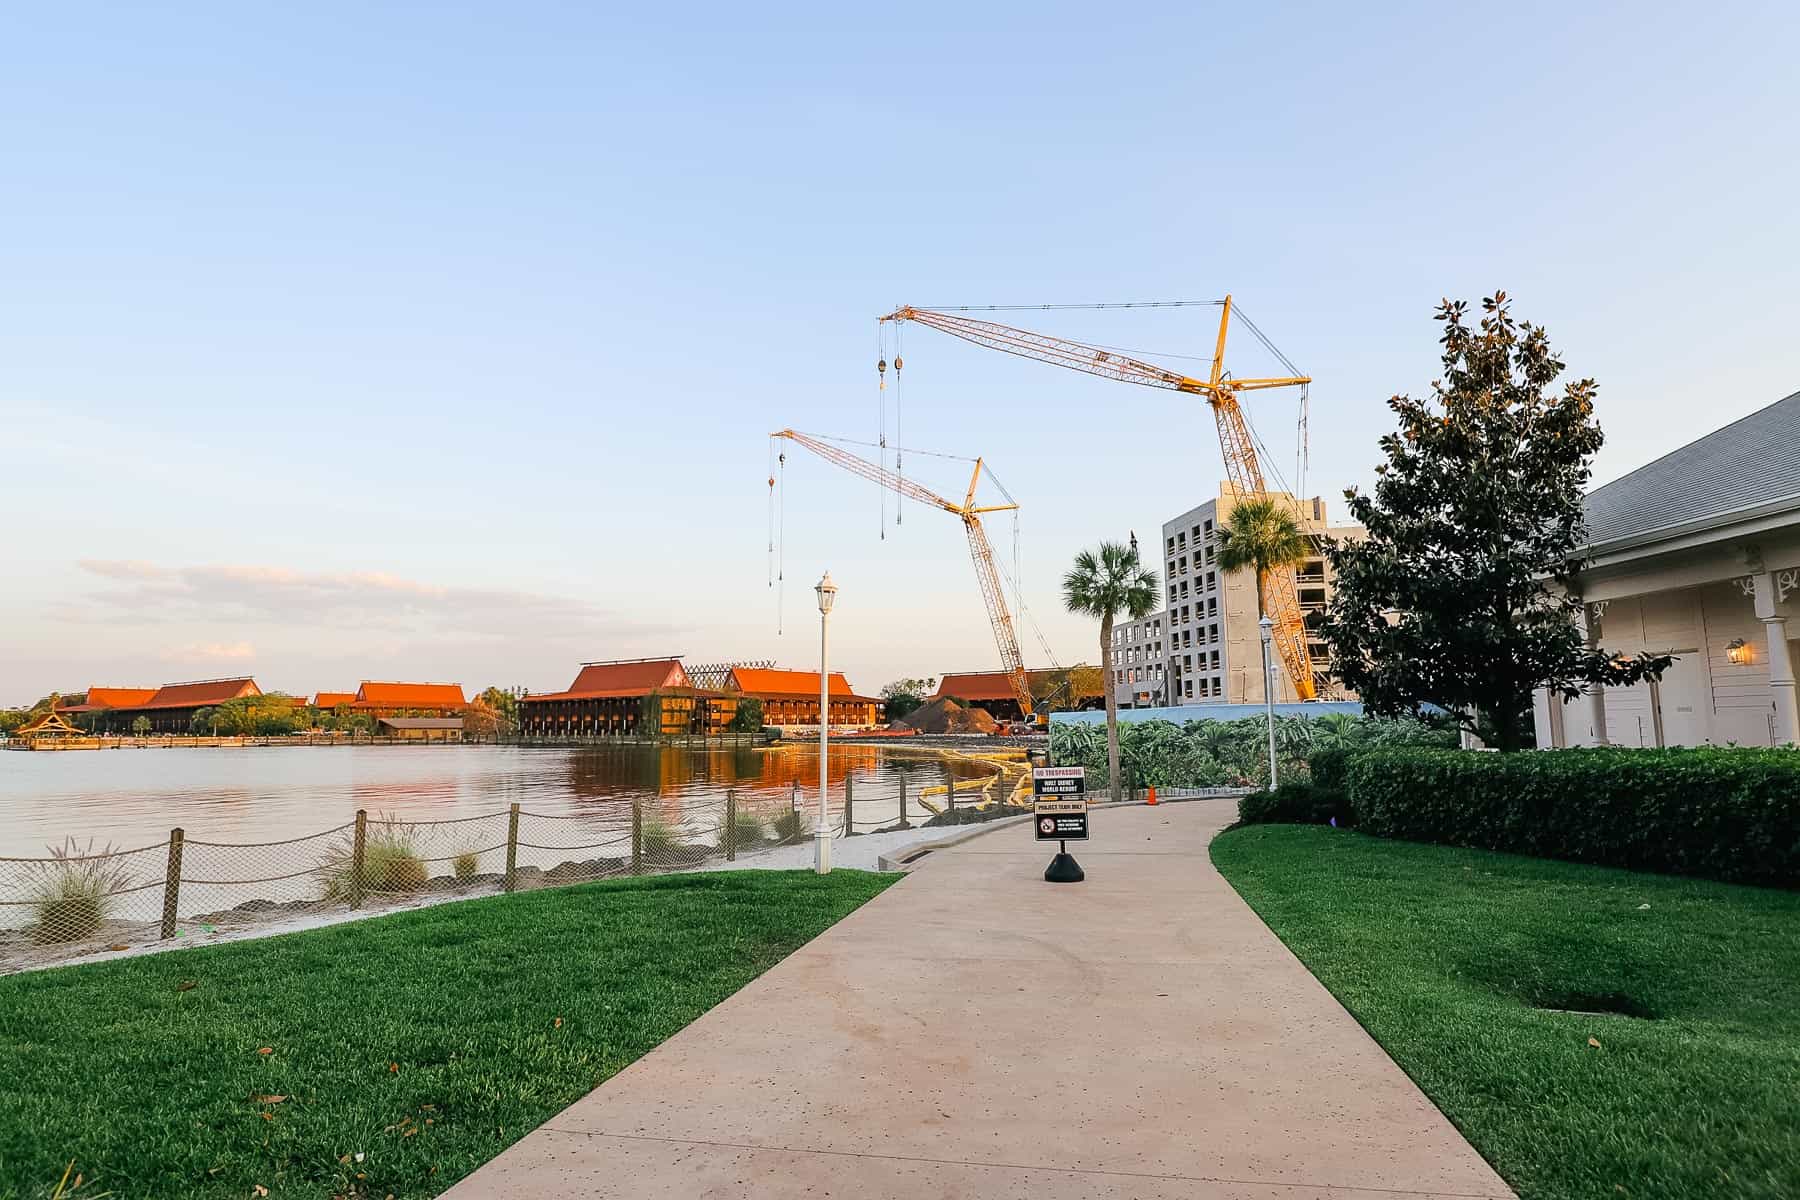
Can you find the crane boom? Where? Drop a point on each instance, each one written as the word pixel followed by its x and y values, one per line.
pixel 986 572
pixel 1279 592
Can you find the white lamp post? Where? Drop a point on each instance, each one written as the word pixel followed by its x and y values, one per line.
pixel 1268 628
pixel 827 592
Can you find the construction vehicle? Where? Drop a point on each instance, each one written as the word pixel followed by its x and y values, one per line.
pixel 986 571
pixel 1280 596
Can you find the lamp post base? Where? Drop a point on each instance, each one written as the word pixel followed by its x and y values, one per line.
pixel 1064 869
pixel 821 852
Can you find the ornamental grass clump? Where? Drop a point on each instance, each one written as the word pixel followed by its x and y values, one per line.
pixel 789 826
pixel 74 893
pixel 465 864
pixel 392 863
pixel 745 829
pixel 657 836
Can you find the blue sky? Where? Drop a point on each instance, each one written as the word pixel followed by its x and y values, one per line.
pixel 441 341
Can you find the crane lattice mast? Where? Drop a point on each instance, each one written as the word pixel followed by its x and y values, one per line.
pixel 1280 594
pixel 987 573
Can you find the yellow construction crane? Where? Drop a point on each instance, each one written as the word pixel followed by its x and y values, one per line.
pixel 1280 597
pixel 986 572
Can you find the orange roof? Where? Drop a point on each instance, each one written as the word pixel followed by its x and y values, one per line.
pixel 332 699
pixel 778 681
pixel 977 685
pixel 201 694
pixel 410 695
pixel 112 697
pixel 610 680
pixel 997 685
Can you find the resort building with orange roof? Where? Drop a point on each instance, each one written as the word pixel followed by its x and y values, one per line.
pixel 790 699
pixel 636 697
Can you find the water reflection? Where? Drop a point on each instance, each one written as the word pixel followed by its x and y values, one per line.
pixel 260 794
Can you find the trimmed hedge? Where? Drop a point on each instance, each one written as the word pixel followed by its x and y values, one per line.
pixel 1729 814
pixel 1294 804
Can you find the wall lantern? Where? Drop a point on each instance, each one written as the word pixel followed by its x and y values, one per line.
pixel 1738 651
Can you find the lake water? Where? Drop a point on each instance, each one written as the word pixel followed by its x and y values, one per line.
pixel 133 797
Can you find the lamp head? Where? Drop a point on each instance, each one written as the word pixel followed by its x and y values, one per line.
pixel 827 592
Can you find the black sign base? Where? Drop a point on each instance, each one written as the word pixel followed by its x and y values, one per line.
pixel 1064 869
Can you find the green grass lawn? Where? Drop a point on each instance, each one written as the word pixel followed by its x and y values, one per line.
pixel 407 1049
pixel 1451 958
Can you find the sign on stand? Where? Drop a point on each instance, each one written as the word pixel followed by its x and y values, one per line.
pixel 1060 814
pixel 1059 796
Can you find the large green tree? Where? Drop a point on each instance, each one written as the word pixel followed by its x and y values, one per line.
pixel 903 696
pixel 1463 594
pixel 1101 584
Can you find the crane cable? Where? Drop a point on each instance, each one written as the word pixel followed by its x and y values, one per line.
pixel 899 444
pixel 881 421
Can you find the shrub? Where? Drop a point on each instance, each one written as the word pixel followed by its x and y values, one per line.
pixel 465 865
pixel 73 894
pixel 1294 804
pixel 1730 814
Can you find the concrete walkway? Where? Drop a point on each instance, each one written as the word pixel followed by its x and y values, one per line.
pixel 976 1032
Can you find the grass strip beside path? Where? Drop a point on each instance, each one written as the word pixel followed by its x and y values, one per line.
pixel 1446 955
pixel 392 1055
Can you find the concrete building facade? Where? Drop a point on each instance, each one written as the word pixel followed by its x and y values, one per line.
pixel 1213 644
pixel 1696 555
pixel 1137 662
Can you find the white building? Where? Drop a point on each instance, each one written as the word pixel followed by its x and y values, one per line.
pixel 1214 643
pixel 1696 555
pixel 1136 666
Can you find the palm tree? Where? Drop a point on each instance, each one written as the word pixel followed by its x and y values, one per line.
pixel 1104 583
pixel 1261 535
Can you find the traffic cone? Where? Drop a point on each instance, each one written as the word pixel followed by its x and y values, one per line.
pixel 1152 797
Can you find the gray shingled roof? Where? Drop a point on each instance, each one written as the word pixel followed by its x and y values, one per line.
pixel 1750 462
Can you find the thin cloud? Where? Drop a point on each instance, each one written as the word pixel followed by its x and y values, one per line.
pixel 209 651
pixel 230 595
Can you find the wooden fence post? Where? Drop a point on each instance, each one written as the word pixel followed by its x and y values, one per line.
pixel 358 852
pixel 731 825
pixel 172 883
pixel 949 788
pixel 794 796
pixel 637 836
pixel 903 824
pixel 512 848
pixel 848 807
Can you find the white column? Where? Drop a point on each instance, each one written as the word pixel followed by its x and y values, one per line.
pixel 1596 695
pixel 1772 612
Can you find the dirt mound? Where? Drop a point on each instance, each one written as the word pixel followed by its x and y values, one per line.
pixel 946 716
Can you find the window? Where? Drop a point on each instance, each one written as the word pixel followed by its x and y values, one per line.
pixel 1209 552
pixel 1181 542
pixel 1188 688
pixel 1183 561
pixel 1212 607
pixel 1171 601
pixel 1214 664
pixel 1197 533
pixel 1212 581
pixel 1187 662
pixel 1208 526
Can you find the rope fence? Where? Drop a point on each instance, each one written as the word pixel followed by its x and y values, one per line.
pixel 80 900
